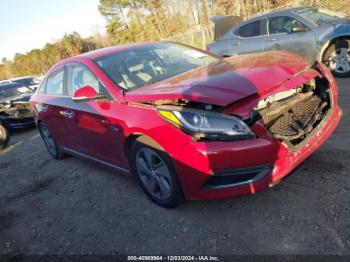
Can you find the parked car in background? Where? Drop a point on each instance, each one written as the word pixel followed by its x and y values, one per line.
pixel 14 109
pixel 31 81
pixel 315 34
pixel 185 123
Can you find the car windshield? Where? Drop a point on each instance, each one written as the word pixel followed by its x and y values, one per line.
pixel 140 66
pixel 320 16
pixel 10 90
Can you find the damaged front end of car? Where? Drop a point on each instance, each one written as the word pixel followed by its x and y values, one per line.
pixel 292 116
pixel 15 109
pixel 16 114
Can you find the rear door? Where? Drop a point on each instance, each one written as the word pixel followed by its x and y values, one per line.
pixel 53 106
pixel 249 38
pixel 97 134
pixel 281 37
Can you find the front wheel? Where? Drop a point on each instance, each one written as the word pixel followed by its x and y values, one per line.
pixel 337 58
pixel 154 172
pixel 4 136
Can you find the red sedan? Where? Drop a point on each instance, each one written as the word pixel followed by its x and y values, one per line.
pixel 185 123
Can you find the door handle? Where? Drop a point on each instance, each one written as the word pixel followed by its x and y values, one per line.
pixel 271 40
pixel 42 107
pixel 67 113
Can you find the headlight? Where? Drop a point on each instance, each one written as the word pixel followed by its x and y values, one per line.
pixel 205 125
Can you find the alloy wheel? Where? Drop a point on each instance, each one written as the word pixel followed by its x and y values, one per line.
pixel 4 136
pixel 48 140
pixel 154 173
pixel 339 61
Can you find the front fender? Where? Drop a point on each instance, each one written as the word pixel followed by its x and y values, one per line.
pixel 327 40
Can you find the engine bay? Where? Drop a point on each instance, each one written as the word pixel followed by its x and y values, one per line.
pixel 291 116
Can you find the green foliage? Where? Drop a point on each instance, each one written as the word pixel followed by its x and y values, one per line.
pixel 38 61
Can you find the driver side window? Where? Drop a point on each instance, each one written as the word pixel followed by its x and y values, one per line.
pixel 283 24
pixel 79 76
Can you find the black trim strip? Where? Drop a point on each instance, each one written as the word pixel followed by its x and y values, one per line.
pixel 261 170
pixel 73 152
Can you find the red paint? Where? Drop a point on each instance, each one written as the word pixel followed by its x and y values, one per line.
pixel 100 128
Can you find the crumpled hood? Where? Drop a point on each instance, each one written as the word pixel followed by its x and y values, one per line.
pixel 229 80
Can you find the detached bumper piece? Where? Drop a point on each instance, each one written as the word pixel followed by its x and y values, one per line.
pixel 236 178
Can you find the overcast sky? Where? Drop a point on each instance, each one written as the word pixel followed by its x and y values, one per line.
pixel 28 24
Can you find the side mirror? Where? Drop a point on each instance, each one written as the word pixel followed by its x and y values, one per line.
pixel 299 29
pixel 86 93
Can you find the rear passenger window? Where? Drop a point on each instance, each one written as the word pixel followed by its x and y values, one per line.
pixel 54 84
pixel 250 30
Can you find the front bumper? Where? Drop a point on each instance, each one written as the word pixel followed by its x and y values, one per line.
pixel 197 163
pixel 18 123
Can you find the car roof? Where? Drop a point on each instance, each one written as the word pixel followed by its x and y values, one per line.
pixel 281 12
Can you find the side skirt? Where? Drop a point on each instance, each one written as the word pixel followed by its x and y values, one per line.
pixel 84 156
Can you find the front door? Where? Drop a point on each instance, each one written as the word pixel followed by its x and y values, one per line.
pixel 53 107
pixel 96 132
pixel 282 37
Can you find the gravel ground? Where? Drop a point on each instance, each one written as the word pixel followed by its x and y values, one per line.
pixel 75 207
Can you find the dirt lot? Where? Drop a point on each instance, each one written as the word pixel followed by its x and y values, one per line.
pixel 75 207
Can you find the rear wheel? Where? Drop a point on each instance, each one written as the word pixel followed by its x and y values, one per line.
pixel 4 136
pixel 154 172
pixel 50 143
pixel 337 58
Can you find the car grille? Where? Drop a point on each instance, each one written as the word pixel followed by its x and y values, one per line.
pixel 296 118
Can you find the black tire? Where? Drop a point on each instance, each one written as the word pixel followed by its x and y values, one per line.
pixel 4 136
pixel 335 49
pixel 176 196
pixel 51 146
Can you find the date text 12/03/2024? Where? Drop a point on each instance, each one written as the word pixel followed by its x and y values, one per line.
pixel 173 258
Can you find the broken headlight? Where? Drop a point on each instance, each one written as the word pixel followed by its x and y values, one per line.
pixel 210 126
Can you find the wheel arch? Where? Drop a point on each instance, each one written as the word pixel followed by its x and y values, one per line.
pixel 141 137
pixel 330 43
pixel 2 122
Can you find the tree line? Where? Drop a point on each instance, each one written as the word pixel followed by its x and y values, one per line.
pixel 136 21
pixel 38 61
